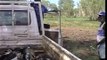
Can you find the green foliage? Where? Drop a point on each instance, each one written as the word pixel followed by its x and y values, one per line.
pixel 66 7
pixel 53 6
pixel 49 5
pixel 92 7
pixel 46 3
pixel 86 8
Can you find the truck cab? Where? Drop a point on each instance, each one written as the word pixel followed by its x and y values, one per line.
pixel 18 24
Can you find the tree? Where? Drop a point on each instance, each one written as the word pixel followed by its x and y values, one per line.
pixel 49 5
pixel 46 3
pixel 53 6
pixel 66 6
pixel 92 7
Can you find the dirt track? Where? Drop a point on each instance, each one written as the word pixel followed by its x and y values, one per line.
pixel 79 34
pixel 81 42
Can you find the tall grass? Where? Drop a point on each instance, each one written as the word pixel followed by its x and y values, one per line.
pixel 81 22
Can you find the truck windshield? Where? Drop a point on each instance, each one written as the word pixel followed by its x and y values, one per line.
pixel 20 17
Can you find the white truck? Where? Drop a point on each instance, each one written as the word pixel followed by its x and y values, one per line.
pixel 20 38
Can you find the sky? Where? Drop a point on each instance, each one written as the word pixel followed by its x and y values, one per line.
pixel 56 2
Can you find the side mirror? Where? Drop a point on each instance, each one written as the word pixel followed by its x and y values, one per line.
pixel 53 11
pixel 37 0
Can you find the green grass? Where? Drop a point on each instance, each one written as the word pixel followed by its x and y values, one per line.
pixel 72 22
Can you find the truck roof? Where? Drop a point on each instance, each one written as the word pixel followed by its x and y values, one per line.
pixel 15 7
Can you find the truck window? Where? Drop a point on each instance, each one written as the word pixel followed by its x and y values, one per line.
pixel 5 17
pixel 20 17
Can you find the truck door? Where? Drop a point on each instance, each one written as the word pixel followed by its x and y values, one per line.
pixel 21 22
pixel 5 24
pixel 13 23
